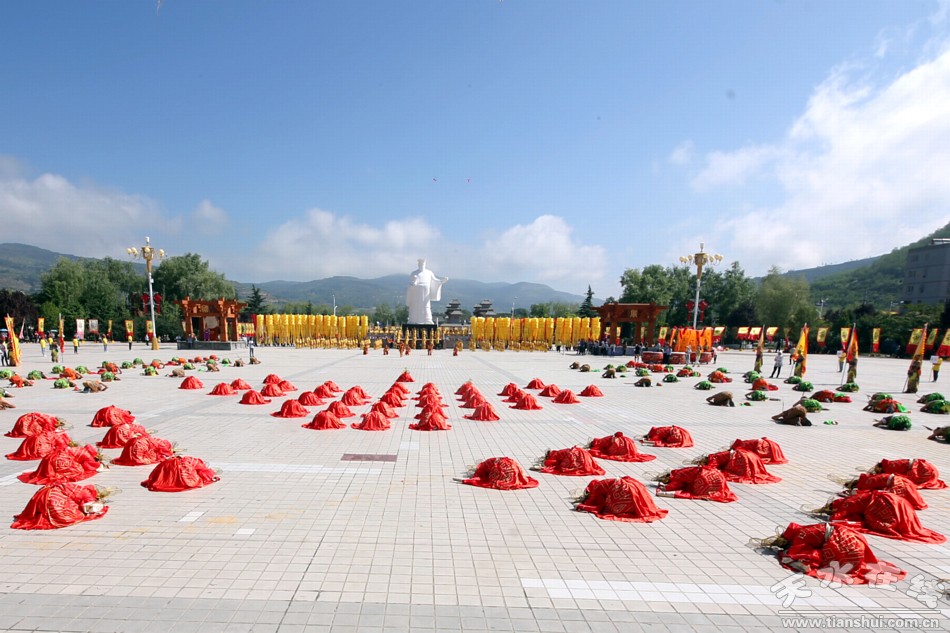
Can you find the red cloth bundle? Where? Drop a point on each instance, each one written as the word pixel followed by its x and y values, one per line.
pixel 501 473
pixel 110 416
pixel 34 423
pixel 39 446
pixel 768 450
pixel 71 463
pixel 571 462
pixel 121 434
pixel 618 447
pixel 291 409
pixel 178 474
pixel 58 506
pixel 669 437
pixel 144 450
pixel 623 499
pixel 253 397
pixel 191 382
pixel 223 389
pixel 324 421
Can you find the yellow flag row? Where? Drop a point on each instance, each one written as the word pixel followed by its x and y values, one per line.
pixel 561 330
pixel 297 329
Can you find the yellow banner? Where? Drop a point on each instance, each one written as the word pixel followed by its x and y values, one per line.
pixel 663 331
pixel 823 334
pixel 845 332
pixel 41 325
pixel 14 352
pixel 129 328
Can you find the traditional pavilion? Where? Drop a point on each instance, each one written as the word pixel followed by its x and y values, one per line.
pixel 211 320
pixel 642 316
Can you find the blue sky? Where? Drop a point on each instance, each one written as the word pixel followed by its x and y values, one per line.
pixel 548 141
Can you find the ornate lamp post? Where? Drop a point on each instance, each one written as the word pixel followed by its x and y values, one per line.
pixel 148 253
pixel 700 259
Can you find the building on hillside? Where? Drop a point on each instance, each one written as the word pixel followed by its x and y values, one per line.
pixel 927 273
pixel 484 309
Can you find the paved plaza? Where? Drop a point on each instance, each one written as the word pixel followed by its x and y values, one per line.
pixel 295 538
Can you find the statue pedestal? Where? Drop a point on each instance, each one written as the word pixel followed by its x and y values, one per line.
pixel 415 332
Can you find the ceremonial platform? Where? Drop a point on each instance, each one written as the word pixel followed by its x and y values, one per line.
pixel 372 532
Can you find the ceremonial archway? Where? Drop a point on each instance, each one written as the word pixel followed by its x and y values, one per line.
pixel 214 320
pixel 642 316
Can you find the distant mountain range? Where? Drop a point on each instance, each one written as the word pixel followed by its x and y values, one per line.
pixel 22 265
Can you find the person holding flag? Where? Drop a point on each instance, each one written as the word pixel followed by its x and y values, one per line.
pixel 852 354
pixel 801 352
pixel 759 352
pixel 916 364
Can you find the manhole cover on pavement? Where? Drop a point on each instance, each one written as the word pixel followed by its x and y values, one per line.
pixel 367 457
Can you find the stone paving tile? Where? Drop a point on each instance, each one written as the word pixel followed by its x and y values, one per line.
pixel 293 538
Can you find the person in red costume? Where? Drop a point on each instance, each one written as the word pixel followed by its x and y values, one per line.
pixel 695 482
pixel 880 513
pixel 72 463
pixel 33 424
pixel 180 473
pixel 121 434
pixel 830 552
pixel 768 450
pixel 571 462
pixel 144 450
pixel 61 505
pixel 740 466
pixel 500 473
pixel 39 446
pixel 920 471
pixel 618 447
pixel 668 437
pixel 623 499
pixel 888 482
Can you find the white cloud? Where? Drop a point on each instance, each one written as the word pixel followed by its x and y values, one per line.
pixel 682 154
pixel 322 244
pixel 208 219
pixel 733 168
pixel 863 170
pixel 546 251
pixel 51 212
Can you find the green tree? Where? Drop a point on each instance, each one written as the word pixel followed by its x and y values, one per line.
pixel 188 276
pixel 18 305
pixel 587 305
pixel 784 301
pixel 668 286
pixel 729 294
pixel 256 304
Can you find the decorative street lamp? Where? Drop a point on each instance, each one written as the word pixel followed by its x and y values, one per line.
pixel 700 259
pixel 148 253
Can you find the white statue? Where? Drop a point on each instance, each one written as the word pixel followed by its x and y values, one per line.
pixel 424 287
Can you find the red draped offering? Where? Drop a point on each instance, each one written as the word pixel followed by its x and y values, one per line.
pixel 501 473
pixel 669 437
pixel 516 396
pixel 291 409
pixel 571 462
pixel 402 390
pixel 742 467
pixel 473 400
pixel 253 397
pixel 835 553
pixel 110 416
pixel 566 397
pixel 919 471
pixel 527 402
pixel 384 409
pixel 34 423
pixel 144 450
pixel 509 389
pixel 623 499
pixel 58 506
pixel 896 484
pixel 358 391
pixel 374 421
pixel 592 391
pixel 405 377
pixel 120 435
pixel 238 384
pixel 191 382
pixel 699 482
pixel 286 385
pixel 272 379
pixel 431 400
pixel 884 514
pixel 72 463
pixel 178 474
pixel 353 399
pixel 392 399
pixel 535 383
pixel 432 421
pixel 39 446
pixel 322 391
pixel 464 388
pixel 340 410
pixel 272 390
pixel 619 448
pixel 223 389
pixel 484 412
pixel 324 421
pixel 768 450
